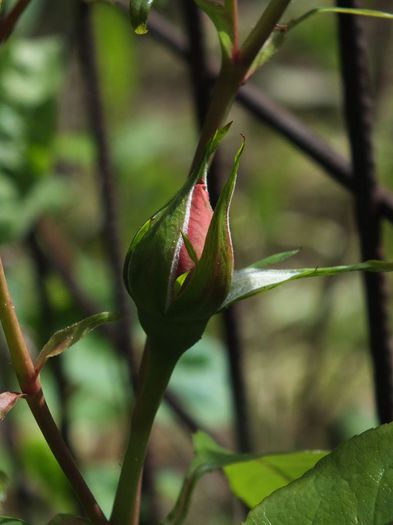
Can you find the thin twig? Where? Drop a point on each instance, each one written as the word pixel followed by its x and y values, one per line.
pixel 8 23
pixel 357 100
pixel 200 82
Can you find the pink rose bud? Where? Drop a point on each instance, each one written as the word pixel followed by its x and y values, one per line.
pixel 179 266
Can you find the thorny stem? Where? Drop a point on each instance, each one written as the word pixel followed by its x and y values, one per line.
pixel 31 386
pixel 156 370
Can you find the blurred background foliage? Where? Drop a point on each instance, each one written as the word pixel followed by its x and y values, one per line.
pixel 305 345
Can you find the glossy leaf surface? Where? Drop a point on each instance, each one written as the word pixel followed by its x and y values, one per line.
pixel 352 485
pixel 63 339
pixel 254 480
pixel 250 281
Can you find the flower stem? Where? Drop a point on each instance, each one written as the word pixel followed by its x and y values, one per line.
pixel 156 370
pixel 31 386
pixel 234 72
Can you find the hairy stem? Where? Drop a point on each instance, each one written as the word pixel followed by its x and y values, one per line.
pixel 31 386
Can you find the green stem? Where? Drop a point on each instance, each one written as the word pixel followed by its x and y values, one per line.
pixel 233 73
pixel 156 370
pixel 31 386
pixel 262 30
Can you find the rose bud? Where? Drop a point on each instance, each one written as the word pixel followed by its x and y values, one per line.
pixel 179 266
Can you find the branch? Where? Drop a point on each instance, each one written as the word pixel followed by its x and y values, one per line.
pixel 357 105
pixel 8 23
pixel 31 386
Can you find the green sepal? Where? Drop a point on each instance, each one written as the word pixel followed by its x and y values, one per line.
pixel 189 248
pixel 66 337
pixel 251 281
pixel 139 12
pixel 210 281
pixel 223 17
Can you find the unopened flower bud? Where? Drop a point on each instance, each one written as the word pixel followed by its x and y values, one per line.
pixel 179 266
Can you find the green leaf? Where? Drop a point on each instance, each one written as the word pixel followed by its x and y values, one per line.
pixel 7 401
pixel 223 17
pixel 352 485
pixel 139 12
pixel 268 50
pixel 189 248
pixel 254 480
pixel 274 259
pixel 279 469
pixel 63 339
pixel 343 10
pixel 67 519
pixel 250 281
pixel 4 520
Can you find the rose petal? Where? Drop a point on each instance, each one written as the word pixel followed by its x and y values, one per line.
pixel 200 217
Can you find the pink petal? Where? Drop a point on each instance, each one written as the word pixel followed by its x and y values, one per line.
pixel 200 217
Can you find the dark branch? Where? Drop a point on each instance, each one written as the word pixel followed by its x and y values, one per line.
pixel 8 23
pixel 357 102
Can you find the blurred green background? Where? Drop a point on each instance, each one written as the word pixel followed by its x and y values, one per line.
pixel 307 365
